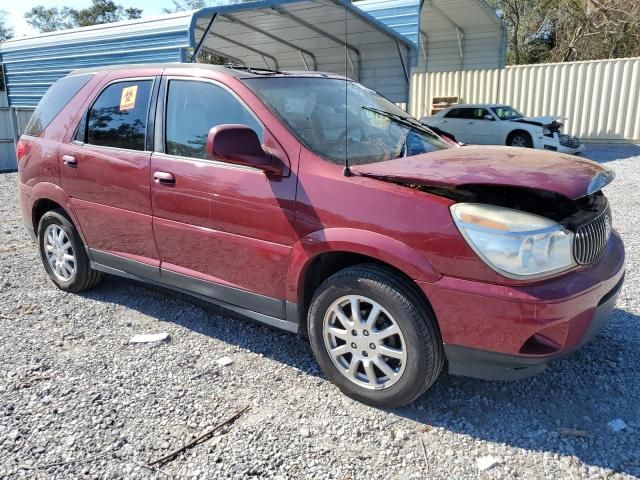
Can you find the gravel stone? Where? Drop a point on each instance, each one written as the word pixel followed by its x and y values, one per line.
pixel 68 371
pixel 616 425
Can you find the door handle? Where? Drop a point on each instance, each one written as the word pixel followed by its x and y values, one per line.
pixel 469 123
pixel 69 161
pixel 443 121
pixel 164 178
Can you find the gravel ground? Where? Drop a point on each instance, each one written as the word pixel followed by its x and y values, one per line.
pixel 77 401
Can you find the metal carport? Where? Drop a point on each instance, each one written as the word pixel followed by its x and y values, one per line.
pixel 276 34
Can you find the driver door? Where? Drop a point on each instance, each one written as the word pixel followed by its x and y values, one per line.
pixel 224 231
pixel 479 129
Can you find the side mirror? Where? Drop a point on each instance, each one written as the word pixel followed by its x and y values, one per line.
pixel 488 117
pixel 239 145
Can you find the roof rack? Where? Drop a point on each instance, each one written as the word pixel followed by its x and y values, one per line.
pixel 254 70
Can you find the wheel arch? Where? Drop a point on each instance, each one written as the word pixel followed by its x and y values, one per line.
pixel 321 254
pixel 47 197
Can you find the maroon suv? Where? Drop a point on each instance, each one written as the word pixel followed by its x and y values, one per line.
pixel 313 204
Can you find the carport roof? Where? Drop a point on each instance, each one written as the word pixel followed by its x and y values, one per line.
pixel 278 34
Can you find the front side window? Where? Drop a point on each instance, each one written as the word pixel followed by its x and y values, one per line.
pixel 118 118
pixel 507 113
pixel 194 108
pixel 56 98
pixel 340 119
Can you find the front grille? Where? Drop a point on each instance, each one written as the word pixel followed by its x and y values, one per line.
pixel 591 238
pixel 569 141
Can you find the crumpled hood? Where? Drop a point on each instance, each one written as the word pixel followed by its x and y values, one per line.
pixel 567 175
pixel 542 121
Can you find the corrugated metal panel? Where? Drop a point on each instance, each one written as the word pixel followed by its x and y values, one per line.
pixel 401 15
pixel 33 64
pixel 599 99
pixel 7 150
pixel 450 34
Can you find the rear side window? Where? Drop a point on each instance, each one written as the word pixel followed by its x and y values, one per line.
pixel 118 117
pixel 468 113
pixel 58 95
pixel 194 108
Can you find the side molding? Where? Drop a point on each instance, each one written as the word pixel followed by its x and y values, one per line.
pixel 270 311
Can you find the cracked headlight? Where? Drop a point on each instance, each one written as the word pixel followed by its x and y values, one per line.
pixel 514 243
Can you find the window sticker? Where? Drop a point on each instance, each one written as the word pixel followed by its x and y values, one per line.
pixel 128 98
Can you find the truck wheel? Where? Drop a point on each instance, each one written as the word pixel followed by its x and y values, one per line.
pixel 63 253
pixel 520 139
pixel 374 336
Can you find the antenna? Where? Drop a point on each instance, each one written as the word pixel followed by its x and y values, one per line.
pixel 347 171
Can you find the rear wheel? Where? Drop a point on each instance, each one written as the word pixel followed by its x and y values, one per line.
pixel 374 336
pixel 520 139
pixel 63 254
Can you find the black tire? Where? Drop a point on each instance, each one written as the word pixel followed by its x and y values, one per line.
pixel 520 139
pixel 413 316
pixel 84 277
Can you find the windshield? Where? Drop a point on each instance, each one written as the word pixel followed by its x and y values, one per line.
pixel 507 113
pixel 340 119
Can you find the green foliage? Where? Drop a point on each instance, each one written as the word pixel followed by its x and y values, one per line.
pixel 100 11
pixel 570 30
pixel 183 5
pixel 5 34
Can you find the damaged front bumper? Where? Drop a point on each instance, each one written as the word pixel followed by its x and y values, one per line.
pixel 499 332
pixel 561 143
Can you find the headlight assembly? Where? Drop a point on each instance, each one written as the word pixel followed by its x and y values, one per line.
pixel 515 244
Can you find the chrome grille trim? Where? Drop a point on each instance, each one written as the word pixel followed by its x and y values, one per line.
pixel 569 141
pixel 591 238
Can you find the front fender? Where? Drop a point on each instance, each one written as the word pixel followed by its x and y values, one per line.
pixel 352 240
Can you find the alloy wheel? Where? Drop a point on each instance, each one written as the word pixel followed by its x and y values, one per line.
pixel 59 253
pixel 364 342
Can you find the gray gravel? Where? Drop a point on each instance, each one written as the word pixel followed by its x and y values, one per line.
pixel 78 401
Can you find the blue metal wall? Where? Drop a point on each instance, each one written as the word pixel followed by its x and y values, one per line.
pixel 401 15
pixel 31 67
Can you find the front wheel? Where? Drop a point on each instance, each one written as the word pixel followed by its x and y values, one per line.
pixel 374 336
pixel 520 139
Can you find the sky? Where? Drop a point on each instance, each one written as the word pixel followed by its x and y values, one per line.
pixel 15 10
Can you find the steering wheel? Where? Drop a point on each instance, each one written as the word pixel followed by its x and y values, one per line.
pixel 341 138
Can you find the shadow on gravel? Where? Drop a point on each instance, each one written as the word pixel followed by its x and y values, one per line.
pixel 604 153
pixel 562 411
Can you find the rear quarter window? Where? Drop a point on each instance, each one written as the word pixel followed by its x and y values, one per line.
pixel 58 95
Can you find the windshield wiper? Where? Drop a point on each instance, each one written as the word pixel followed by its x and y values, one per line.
pixel 402 120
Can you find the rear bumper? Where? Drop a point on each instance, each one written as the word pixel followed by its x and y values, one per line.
pixel 26 205
pixel 509 332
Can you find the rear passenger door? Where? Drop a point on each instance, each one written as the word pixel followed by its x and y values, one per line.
pixel 224 231
pixel 105 171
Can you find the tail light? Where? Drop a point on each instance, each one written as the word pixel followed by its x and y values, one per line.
pixel 20 148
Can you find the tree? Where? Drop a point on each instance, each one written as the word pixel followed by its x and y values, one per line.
pixel 104 11
pixel 594 29
pixel 183 5
pixel 49 19
pixel 528 23
pixel 100 11
pixel 569 30
pixel 5 34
